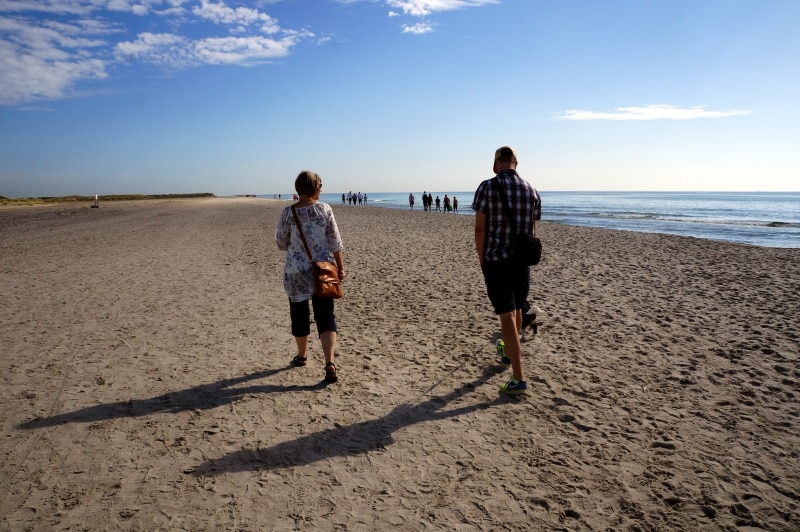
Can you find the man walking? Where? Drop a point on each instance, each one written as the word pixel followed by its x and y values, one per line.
pixel 507 280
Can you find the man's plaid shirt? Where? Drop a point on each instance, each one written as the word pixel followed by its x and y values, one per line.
pixel 523 202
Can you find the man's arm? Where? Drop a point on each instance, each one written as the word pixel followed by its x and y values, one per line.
pixel 480 235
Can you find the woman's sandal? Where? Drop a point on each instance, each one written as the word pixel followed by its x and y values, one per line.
pixel 330 372
pixel 299 361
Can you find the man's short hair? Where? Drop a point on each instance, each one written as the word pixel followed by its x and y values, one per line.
pixel 505 154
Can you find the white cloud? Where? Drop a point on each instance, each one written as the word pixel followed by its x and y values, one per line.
pixel 44 61
pixel 418 29
pixel 651 112
pixel 237 17
pixel 29 77
pixel 126 6
pixel 423 8
pixel 48 48
pixel 159 48
pixel 172 11
pixel 67 7
pixel 241 50
pixel 175 51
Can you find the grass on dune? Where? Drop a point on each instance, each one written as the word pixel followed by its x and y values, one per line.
pixel 45 200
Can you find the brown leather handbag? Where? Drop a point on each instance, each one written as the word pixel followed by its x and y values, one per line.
pixel 326 274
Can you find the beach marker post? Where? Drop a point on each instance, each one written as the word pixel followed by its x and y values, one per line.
pixel 95 206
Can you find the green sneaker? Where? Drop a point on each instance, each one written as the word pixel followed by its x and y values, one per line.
pixel 501 352
pixel 514 387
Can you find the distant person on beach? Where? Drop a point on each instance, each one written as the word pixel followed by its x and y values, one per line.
pixel 507 281
pixel 438 204
pixel 446 203
pixel 455 205
pixel 424 200
pixel 322 234
pixel 411 201
pixel 343 198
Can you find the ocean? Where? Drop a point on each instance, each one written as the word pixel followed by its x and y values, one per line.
pixel 768 219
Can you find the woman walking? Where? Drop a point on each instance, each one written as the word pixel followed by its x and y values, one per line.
pixel 322 234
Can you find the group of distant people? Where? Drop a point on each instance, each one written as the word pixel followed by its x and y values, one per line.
pixel 428 202
pixel 354 198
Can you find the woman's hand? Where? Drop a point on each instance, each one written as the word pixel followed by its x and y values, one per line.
pixel 339 260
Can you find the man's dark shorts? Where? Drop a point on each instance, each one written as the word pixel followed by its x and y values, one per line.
pixel 507 283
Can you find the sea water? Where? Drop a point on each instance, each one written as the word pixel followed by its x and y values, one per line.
pixel 769 219
pixel 761 219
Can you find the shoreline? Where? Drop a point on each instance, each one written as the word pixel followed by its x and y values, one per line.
pixel 754 231
pixel 147 384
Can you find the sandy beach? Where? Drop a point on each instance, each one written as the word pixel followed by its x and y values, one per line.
pixel 146 383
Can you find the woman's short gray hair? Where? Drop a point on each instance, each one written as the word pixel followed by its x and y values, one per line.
pixel 307 182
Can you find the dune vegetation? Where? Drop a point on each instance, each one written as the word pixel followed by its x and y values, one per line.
pixel 47 200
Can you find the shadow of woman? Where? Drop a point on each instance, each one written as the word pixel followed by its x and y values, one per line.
pixel 203 397
pixel 347 440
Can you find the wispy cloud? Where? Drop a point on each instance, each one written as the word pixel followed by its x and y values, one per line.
pixel 243 51
pixel 48 48
pixel 177 52
pixel 41 59
pixel 53 49
pixel 650 112
pixel 418 29
pixel 68 7
pixel 423 8
pixel 239 19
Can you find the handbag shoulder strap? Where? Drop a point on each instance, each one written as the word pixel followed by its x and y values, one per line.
pixel 300 230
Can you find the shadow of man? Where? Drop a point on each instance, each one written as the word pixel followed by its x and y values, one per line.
pixel 347 440
pixel 203 397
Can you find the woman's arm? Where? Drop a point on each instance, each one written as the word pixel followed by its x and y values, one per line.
pixel 282 233
pixel 339 258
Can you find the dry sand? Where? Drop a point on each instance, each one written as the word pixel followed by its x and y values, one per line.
pixel 146 381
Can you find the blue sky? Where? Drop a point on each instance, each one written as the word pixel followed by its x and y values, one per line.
pixel 234 97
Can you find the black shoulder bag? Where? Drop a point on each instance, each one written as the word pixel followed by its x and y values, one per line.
pixel 527 248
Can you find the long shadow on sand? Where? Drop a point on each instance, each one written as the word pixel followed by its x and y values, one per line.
pixel 203 397
pixel 347 440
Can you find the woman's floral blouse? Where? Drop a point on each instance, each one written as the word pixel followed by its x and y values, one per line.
pixel 322 235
